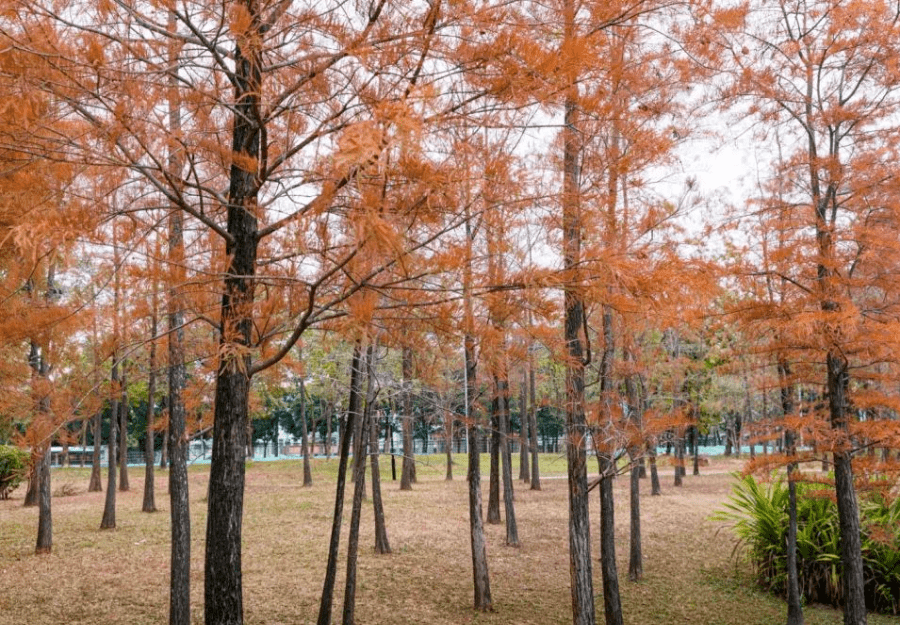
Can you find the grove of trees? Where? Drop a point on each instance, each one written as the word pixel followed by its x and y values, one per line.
pixel 469 224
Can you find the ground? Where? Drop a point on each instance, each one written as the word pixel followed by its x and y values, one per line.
pixel 121 576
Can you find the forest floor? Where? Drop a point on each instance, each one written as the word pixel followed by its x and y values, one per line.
pixel 120 576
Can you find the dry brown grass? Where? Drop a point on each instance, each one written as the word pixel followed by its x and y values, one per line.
pixel 120 576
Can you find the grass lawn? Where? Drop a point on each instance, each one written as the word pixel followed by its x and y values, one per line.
pixel 121 576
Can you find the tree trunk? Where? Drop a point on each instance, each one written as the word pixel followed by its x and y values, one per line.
pixel 123 435
pixel 382 545
pixel 328 429
pixel 109 508
pixel 223 578
pixel 532 419
pixel 612 605
pixel 164 451
pixel 45 520
pixel 679 459
pixel 381 538
pixel 696 439
pixel 84 429
pixel 795 607
pixel 149 504
pixel 481 578
pixel 41 468
pixel 304 436
pixel 524 468
pixel 848 509
pixel 360 444
pixel 353 408
pixel 635 559
pixel 32 494
pixel 493 511
pixel 95 484
pixel 512 531
pixel 175 441
pixel 580 569
pixel 634 390
pixel 223 588
pixel 448 438
pixel 408 471
pixel 654 473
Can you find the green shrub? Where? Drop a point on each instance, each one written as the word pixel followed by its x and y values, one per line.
pixel 759 517
pixel 13 467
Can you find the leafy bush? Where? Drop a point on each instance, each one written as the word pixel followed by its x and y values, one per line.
pixel 13 467
pixel 759 517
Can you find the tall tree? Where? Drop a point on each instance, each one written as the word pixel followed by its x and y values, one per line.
pixel 576 426
pixel 149 503
pixel 827 89
pixel 408 470
pixel 360 434
pixel 353 411
pixel 304 435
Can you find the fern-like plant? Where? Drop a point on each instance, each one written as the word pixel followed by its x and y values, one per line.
pixel 758 514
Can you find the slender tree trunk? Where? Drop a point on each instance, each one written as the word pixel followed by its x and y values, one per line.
pixel 848 508
pixel 304 436
pixel 175 443
pixel 493 511
pixel 696 439
pixel 382 545
pixel 123 435
pixel 96 483
pixel 32 495
pixel 679 458
pixel 634 391
pixel 175 436
pixel 41 467
pixel 795 607
pixel 480 576
pixel 580 568
pixel 381 538
pixel 448 437
pixel 360 443
pixel 84 429
pixel 612 605
pixel 179 501
pixel 635 559
pixel 408 472
pixel 353 409
pixel 654 473
pixel 532 419
pixel 512 531
pixel 328 429
pixel 45 520
pixel 109 508
pixel 149 504
pixel 524 466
